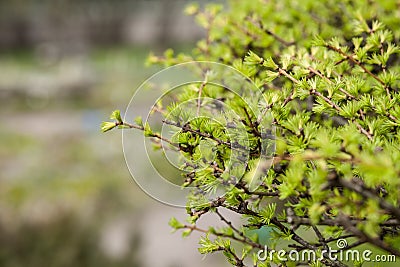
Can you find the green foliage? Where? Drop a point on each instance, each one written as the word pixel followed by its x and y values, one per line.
pixel 107 126
pixel 330 77
pixel 175 224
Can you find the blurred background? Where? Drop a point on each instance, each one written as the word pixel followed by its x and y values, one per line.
pixel 66 196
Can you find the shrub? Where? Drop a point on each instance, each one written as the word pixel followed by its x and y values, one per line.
pixel 329 76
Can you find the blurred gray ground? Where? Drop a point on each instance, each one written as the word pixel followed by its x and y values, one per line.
pixel 66 196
